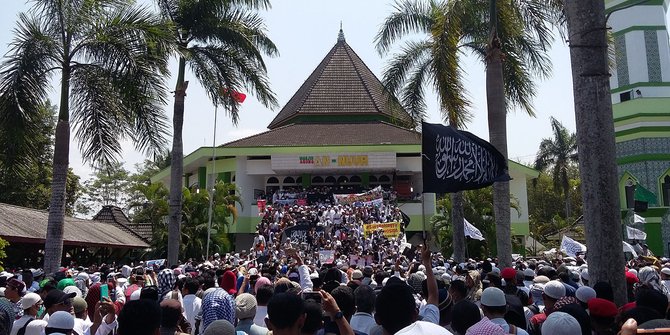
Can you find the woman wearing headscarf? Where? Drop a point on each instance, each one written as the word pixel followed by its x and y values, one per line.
pixel 217 305
pixel 228 282
pixel 650 278
pixel 474 283
pixel 166 281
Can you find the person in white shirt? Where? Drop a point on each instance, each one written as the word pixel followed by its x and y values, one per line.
pixel 494 307
pixel 82 322
pixel 665 277
pixel 192 304
pixel 396 309
pixel 362 320
pixel 28 323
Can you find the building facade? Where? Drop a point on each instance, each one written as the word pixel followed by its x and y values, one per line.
pixel 640 88
pixel 340 128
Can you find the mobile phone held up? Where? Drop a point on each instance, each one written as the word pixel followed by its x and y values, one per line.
pixel 316 296
pixel 104 292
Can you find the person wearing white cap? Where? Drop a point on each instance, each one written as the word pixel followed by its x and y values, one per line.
pixel 28 323
pixel 528 276
pixel 553 290
pixel 60 323
pixel 584 294
pixel 665 277
pixel 559 323
pixel 494 307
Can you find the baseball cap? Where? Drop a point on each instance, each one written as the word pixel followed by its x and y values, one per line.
pixel 493 297
pixel 29 300
pixel 79 304
pixel 55 297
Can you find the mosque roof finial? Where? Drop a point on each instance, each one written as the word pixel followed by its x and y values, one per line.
pixel 340 35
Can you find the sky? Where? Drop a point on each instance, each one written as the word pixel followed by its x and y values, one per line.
pixel 304 31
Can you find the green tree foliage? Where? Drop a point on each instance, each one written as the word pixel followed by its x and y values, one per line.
pixel 110 185
pixel 559 155
pixel 110 57
pixel 478 210
pixel 546 206
pixel 195 218
pixel 25 178
pixel 223 43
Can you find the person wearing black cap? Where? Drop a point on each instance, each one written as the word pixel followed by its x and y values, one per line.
pixel 57 300
pixel 14 290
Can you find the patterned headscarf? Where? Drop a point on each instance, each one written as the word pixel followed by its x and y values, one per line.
pixel 650 278
pixel 485 327
pixel 475 292
pixel 564 301
pixel 166 281
pixel 217 305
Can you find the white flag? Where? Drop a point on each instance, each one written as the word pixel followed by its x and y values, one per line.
pixel 635 234
pixel 639 219
pixel 629 248
pixel 472 231
pixel 571 247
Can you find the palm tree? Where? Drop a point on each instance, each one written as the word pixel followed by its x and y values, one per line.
pixel 223 43
pixel 519 30
pixel 595 137
pixel 109 56
pixel 559 154
pixel 433 62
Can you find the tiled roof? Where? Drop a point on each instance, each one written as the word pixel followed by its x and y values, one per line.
pixel 316 134
pixel 114 215
pixel 341 85
pixel 27 225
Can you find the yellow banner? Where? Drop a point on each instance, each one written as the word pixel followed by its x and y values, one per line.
pixel 391 229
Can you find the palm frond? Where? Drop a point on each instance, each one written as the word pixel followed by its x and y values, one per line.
pixel 24 78
pixel 407 17
pixel 397 70
pixel 220 67
pixel 98 115
pixel 413 93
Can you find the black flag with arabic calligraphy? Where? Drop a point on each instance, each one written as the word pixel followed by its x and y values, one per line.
pixel 456 160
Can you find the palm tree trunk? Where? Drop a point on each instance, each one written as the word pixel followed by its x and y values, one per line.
pixel 458 237
pixel 53 246
pixel 595 139
pixel 177 167
pixel 497 118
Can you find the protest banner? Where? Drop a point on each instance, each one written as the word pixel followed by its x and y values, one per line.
pixel 326 256
pixel 261 206
pixel 360 260
pixel 390 229
pixel 373 197
pixel 298 234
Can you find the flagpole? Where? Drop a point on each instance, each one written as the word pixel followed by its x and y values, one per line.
pixel 211 191
pixel 423 195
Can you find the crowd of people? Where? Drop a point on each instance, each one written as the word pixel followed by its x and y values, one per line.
pixel 370 283
pixel 425 294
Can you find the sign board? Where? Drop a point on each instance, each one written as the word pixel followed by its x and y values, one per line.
pixel 326 256
pixel 329 161
pixel 390 229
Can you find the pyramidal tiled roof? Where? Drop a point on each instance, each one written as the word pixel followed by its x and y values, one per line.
pixel 341 85
pixel 115 216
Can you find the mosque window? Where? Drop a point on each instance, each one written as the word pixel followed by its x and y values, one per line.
pixel 342 180
pixel 273 180
pixel 330 180
pixel 317 180
pixel 289 180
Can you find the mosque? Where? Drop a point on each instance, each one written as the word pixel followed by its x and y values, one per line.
pixel 341 127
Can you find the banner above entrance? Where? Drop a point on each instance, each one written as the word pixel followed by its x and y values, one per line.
pixel 335 161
